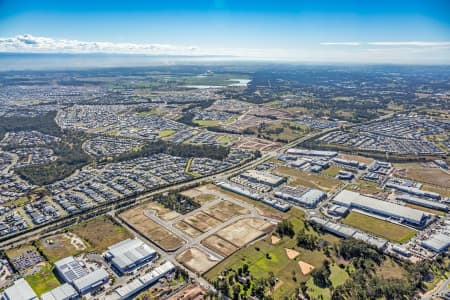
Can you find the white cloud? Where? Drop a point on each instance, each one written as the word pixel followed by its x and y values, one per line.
pixel 29 43
pixel 357 52
pixel 340 44
pixel 411 43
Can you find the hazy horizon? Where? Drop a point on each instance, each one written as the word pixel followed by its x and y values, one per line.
pixel 400 32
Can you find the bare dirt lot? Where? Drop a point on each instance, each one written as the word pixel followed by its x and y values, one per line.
pixel 421 173
pixel 188 229
pixel 245 231
pixel 225 210
pixel 196 260
pixel 251 143
pixel 61 245
pixel 201 194
pixel 305 267
pixel 219 245
pixel 165 239
pixel 202 221
pixel 261 208
pixel 191 292
pixel 162 212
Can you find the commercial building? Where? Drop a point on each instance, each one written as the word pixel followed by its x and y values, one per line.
pixel 69 269
pixel 304 152
pixel 263 177
pixel 422 202
pixel 91 281
pixel 349 163
pixel 129 254
pixel 413 191
pixel 383 208
pixel 137 285
pixel 308 199
pixel 345 175
pixel 401 250
pixel 239 190
pixel 20 290
pixel 437 242
pixel 62 292
pixel 347 232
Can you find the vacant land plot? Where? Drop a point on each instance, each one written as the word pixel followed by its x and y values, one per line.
pixel 165 133
pixel 298 177
pixel 165 239
pixel 442 191
pixel 361 159
pixel 264 256
pixel 196 260
pixel 331 171
pixel 206 123
pixel 366 187
pixel 161 211
pixel 201 194
pixel 188 229
pixel 58 246
pixel 202 221
pixel 417 172
pixel 225 210
pixel 384 229
pixel 219 245
pixel 101 233
pixel 44 280
pixel 245 231
pixel 261 208
pixel 256 144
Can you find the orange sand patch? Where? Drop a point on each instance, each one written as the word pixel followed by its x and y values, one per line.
pixel 305 267
pixel 292 253
pixel 274 239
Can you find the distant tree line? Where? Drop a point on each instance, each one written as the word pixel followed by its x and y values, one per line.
pixel 177 149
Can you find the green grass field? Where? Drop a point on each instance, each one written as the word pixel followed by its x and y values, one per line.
pixel 165 133
pixel 206 123
pixel 331 171
pixel 44 280
pixel 224 139
pixel 381 228
pixel 285 269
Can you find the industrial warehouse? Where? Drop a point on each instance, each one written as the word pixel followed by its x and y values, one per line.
pixel 264 178
pixel 397 212
pixel 309 198
pixel 71 271
pixel 129 254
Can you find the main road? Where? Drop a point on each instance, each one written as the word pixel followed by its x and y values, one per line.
pixel 35 234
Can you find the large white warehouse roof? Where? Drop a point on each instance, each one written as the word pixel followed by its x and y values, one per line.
pixel 356 200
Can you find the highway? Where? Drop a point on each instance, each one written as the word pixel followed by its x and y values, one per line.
pixel 43 231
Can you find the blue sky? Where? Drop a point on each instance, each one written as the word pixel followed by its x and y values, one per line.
pixel 299 30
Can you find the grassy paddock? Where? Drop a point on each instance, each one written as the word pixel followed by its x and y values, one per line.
pixel 381 228
pixel 101 233
pixel 44 280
